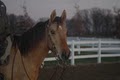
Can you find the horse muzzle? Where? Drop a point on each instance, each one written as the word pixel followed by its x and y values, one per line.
pixel 64 56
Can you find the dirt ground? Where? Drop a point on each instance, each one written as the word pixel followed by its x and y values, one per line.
pixel 104 71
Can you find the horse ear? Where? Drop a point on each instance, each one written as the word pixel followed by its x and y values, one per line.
pixel 52 16
pixel 63 16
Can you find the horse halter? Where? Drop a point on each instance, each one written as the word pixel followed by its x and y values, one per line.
pixel 51 45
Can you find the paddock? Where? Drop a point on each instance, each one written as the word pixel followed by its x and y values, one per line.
pixel 96 71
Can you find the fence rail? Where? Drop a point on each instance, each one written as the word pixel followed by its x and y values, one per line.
pixel 111 47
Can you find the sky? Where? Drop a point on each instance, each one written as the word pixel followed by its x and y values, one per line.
pixel 43 8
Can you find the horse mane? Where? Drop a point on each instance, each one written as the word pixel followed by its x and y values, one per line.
pixel 30 38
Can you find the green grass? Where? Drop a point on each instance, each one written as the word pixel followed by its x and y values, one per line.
pixel 111 59
pixel 84 61
pixel 88 60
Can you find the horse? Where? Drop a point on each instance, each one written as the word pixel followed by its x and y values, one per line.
pixel 29 50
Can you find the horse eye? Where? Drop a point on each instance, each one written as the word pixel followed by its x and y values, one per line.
pixel 52 32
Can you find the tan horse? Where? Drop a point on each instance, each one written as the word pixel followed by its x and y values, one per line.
pixel 30 49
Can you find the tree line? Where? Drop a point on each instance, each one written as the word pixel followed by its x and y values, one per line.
pixel 95 22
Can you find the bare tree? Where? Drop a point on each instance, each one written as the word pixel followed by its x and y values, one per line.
pixel 102 22
pixel 87 22
pixel 77 23
pixel 20 24
pixel 117 22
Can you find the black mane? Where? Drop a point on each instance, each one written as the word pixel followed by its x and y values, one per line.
pixel 31 37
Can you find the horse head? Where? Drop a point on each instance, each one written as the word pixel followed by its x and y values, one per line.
pixel 57 33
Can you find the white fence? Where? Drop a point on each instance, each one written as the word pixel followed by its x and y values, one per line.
pixel 112 47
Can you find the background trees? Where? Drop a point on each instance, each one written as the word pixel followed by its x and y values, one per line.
pixel 95 22
pixel 117 22
pixel 20 23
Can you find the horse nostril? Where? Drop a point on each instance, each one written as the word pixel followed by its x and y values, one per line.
pixel 65 55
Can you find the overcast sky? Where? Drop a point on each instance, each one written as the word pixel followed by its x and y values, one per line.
pixel 43 8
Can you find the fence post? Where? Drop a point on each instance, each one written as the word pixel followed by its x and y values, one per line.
pixel 99 51
pixel 72 54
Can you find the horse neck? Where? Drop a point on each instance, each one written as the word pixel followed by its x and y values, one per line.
pixel 38 54
pixel 35 58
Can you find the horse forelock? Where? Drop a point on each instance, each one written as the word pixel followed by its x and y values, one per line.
pixel 58 20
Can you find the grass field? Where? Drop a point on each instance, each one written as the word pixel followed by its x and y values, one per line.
pixel 84 61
